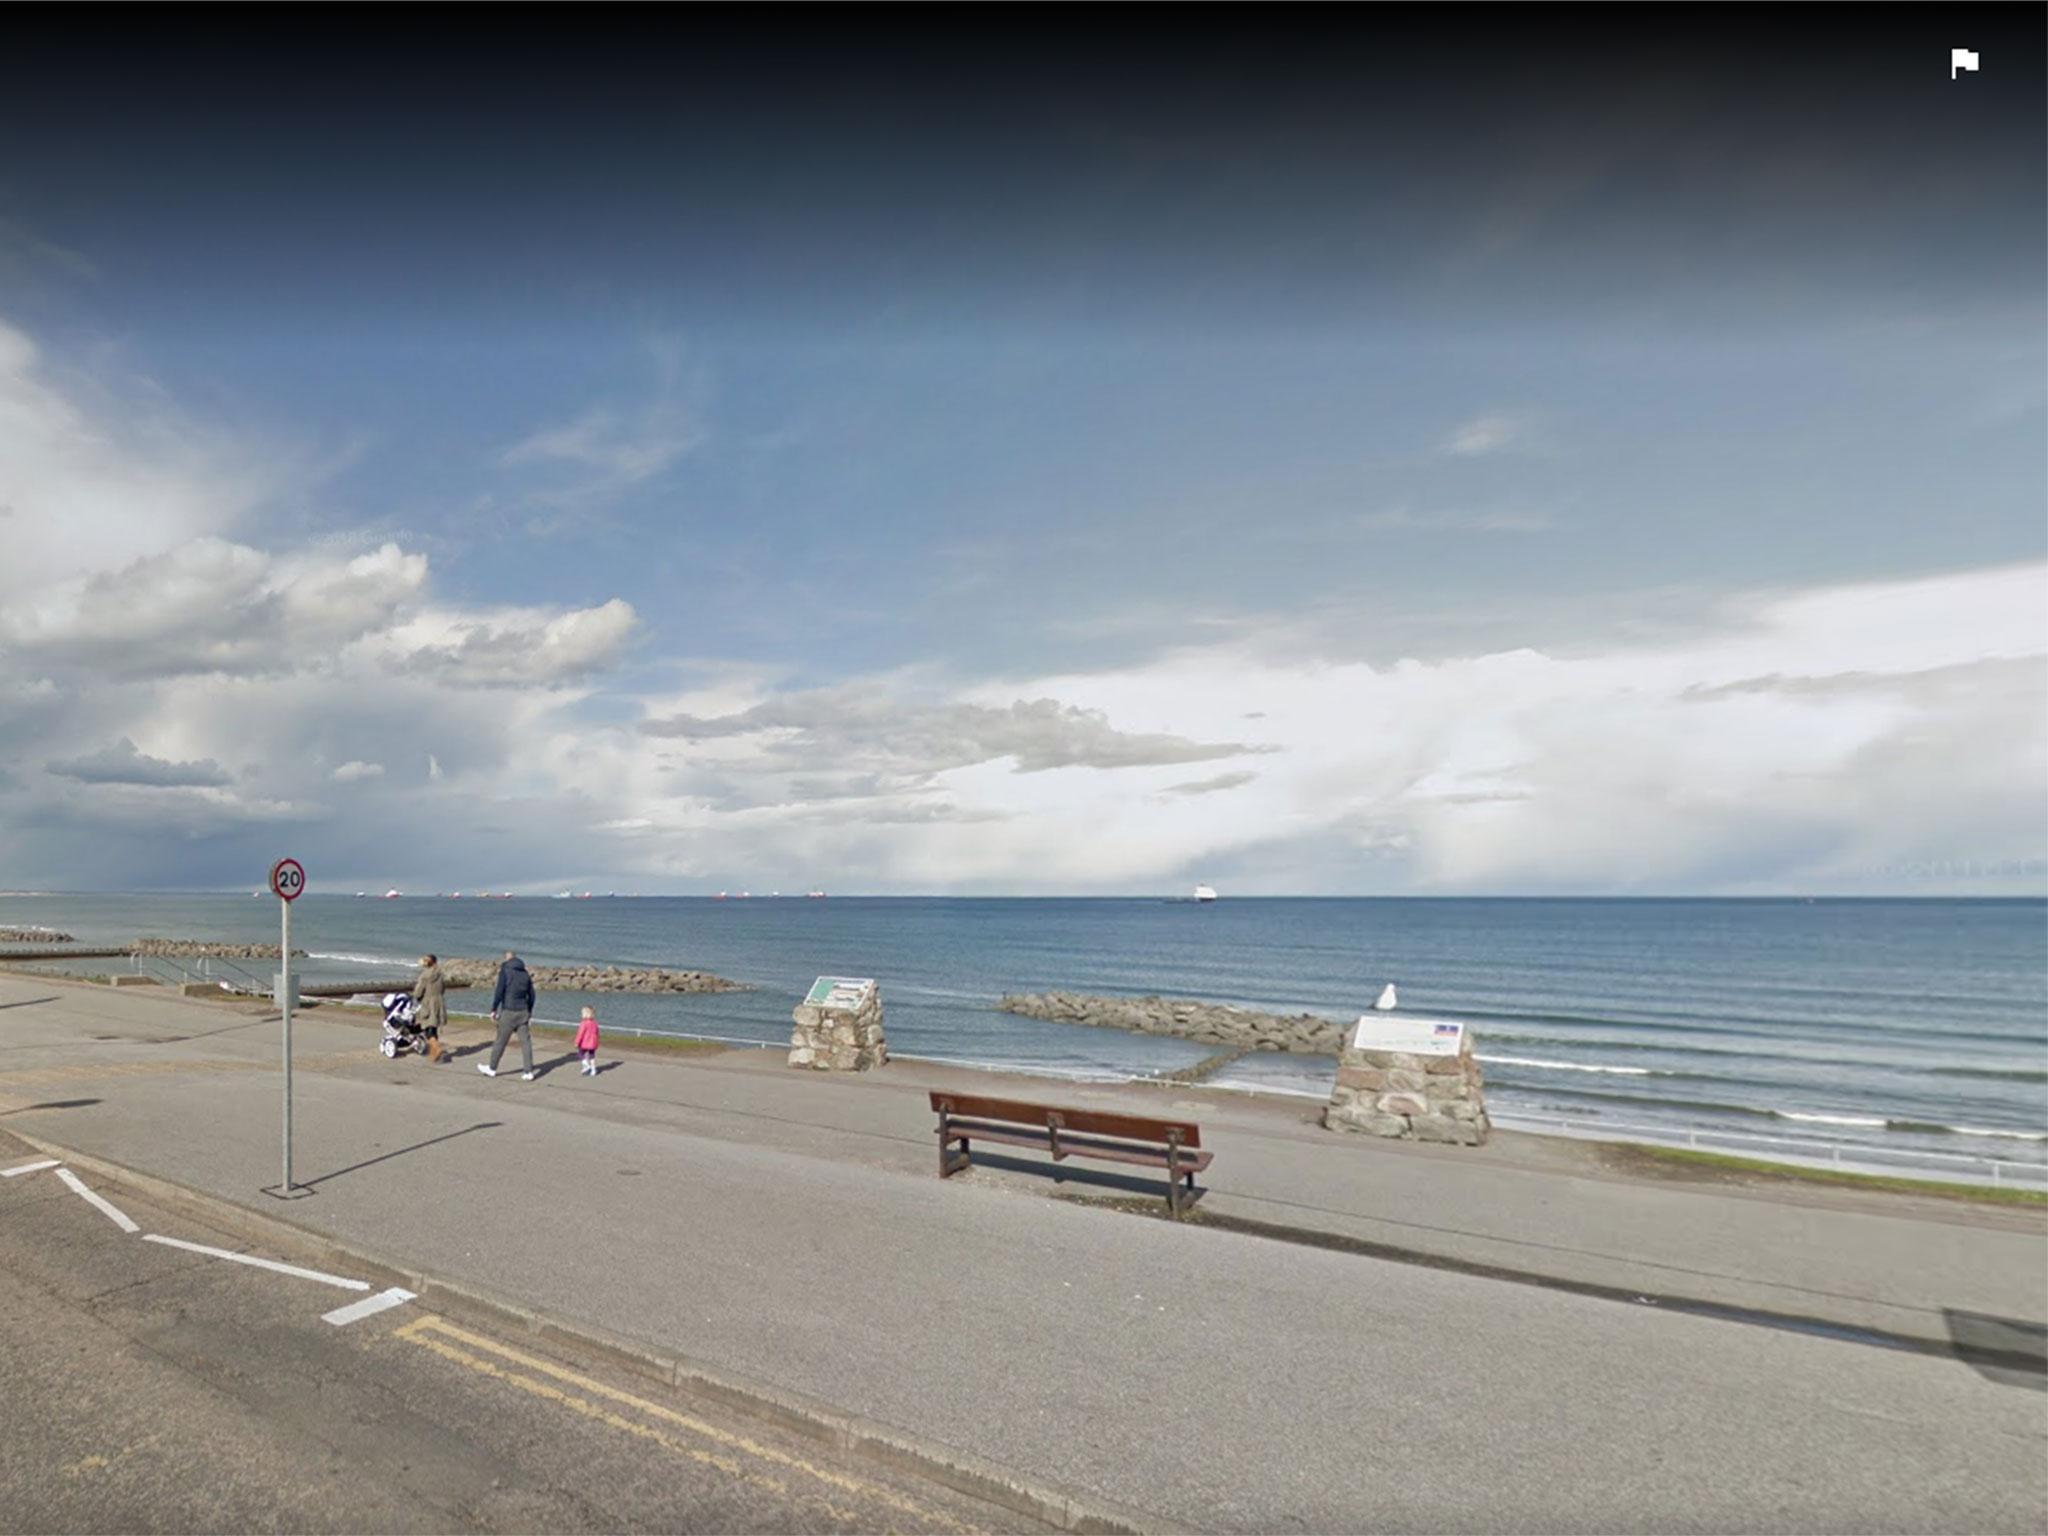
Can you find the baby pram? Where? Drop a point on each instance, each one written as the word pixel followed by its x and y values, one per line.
pixel 401 1029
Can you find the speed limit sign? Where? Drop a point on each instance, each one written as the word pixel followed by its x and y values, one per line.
pixel 288 879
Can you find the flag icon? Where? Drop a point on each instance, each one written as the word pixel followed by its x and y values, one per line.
pixel 1961 58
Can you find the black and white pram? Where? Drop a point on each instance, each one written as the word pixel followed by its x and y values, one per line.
pixel 401 1029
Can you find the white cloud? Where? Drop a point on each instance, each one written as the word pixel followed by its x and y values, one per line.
pixel 210 605
pixel 608 448
pixel 1486 434
pixel 1629 768
pixel 512 648
pixel 93 462
pixel 144 604
pixel 623 452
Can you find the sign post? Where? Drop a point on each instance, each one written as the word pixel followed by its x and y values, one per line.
pixel 288 883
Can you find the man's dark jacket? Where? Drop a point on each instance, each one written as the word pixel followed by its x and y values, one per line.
pixel 515 987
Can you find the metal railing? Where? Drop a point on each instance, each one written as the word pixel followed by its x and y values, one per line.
pixel 174 970
pixel 1812 1151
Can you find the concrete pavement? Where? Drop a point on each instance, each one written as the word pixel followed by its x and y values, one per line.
pixel 788 1228
pixel 165 1388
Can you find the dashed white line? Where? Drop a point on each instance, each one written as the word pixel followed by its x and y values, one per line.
pixel 10 1173
pixel 106 1209
pixel 250 1258
pixel 356 1311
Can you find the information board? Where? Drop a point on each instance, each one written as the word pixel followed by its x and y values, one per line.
pixel 848 992
pixel 1418 1037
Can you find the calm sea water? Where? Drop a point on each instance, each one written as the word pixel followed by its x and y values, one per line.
pixel 1897 1024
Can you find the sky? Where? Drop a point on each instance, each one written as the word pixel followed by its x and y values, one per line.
pixel 1380 451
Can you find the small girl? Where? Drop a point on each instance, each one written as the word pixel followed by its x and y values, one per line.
pixel 586 1041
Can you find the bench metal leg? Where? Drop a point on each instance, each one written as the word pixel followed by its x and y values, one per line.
pixel 951 1162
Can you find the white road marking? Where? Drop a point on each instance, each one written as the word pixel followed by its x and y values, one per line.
pixel 248 1258
pixel 356 1311
pixel 90 1198
pixel 48 1162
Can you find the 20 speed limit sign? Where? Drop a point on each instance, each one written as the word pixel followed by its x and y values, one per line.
pixel 288 879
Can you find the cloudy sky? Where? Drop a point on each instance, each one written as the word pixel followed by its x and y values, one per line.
pixel 1396 452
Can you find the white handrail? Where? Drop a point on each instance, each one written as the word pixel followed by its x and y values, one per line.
pixel 2001 1168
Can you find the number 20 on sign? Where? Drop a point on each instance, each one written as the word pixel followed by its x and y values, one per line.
pixel 287 879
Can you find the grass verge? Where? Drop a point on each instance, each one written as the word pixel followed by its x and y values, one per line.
pixel 1721 1167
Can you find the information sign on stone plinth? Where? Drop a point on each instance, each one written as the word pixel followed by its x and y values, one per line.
pixel 839 1026
pixel 1409 1076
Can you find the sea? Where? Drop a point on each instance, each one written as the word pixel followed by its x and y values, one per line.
pixel 1892 1032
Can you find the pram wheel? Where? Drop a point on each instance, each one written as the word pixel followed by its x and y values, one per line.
pixel 388 1047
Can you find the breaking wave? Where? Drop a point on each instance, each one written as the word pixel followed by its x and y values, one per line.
pixel 1570 1066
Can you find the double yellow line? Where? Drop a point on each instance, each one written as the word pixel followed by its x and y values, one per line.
pixel 586 1396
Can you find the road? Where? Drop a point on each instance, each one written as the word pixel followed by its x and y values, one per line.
pixel 152 1387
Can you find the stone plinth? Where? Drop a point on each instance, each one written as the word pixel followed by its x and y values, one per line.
pixel 1386 1092
pixel 830 1038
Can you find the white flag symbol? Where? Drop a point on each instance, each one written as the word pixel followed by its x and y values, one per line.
pixel 1961 58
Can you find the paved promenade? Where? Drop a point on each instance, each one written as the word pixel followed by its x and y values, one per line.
pixel 789 1228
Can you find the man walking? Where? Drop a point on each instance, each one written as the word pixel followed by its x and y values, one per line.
pixel 512 1008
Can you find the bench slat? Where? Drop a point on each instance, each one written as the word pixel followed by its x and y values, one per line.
pixel 1077 1146
pixel 1095 1121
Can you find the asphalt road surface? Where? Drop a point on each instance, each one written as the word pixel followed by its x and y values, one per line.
pixel 151 1387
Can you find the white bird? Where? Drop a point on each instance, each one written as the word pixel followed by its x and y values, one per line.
pixel 1387 1002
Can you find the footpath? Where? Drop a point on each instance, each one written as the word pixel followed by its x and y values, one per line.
pixel 1352 1335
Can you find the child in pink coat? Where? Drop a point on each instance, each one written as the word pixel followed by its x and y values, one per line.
pixel 586 1041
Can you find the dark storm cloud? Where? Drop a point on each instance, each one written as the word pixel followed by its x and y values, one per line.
pixel 855 727
pixel 123 763
pixel 1217 785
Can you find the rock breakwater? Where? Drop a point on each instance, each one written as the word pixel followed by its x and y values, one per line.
pixel 590 978
pixel 185 949
pixel 1306 1034
pixel 34 936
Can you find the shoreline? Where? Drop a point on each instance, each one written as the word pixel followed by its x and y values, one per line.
pixel 1805 1153
pixel 1586 1090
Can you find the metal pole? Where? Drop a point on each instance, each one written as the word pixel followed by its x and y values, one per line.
pixel 284 955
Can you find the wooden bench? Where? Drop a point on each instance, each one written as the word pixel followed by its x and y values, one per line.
pixel 1174 1145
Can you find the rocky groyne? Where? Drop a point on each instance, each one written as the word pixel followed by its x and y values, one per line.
pixel 34 936
pixel 590 978
pixel 1307 1034
pixel 213 949
pixel 459 971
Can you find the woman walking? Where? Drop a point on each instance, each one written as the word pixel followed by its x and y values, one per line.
pixel 433 1008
